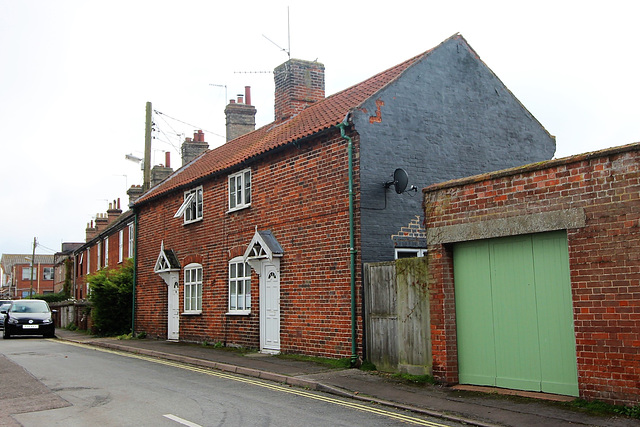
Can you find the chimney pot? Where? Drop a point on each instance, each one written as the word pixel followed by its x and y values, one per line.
pixel 167 163
pixel 240 98
pixel 247 95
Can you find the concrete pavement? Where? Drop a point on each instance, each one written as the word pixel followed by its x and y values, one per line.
pixel 474 406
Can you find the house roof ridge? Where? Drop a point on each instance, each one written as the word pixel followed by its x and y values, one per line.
pixel 317 117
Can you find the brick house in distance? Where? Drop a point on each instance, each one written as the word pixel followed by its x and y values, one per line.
pixel 19 278
pixel 260 242
pixel 536 271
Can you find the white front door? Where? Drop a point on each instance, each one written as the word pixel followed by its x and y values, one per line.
pixel 270 308
pixel 173 324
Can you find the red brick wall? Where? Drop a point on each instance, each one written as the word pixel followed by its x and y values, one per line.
pixel 40 285
pixel 604 257
pixel 301 195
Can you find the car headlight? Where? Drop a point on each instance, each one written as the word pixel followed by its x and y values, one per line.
pixel 47 321
pixel 13 321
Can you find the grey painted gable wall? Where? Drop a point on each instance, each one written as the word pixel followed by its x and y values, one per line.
pixel 446 117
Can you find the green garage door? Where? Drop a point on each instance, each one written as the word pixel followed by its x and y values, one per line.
pixel 514 313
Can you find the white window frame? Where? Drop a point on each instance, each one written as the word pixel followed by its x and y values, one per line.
pixel 35 273
pixel 99 249
pixel 131 240
pixel 239 199
pixel 193 200
pixel 106 252
pixel 88 260
pixel 120 245
pixel 419 252
pixel 239 287
pixel 51 271
pixel 193 289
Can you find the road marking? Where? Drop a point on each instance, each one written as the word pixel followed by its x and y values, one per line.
pixel 181 420
pixel 263 384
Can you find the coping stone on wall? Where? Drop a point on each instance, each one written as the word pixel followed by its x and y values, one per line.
pixel 511 226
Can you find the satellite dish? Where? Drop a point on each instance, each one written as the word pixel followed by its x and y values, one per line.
pixel 400 180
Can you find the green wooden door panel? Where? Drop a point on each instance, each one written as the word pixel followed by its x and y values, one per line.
pixel 476 347
pixel 555 314
pixel 514 313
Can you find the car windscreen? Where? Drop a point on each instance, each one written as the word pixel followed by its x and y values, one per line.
pixel 30 307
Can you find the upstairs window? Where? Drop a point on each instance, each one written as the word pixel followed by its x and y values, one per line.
pixel 193 289
pixel 240 190
pixel 106 252
pixel 191 208
pixel 26 273
pixel 120 245
pixel 130 253
pixel 48 273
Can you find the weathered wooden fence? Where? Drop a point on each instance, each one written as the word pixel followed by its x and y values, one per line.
pixel 398 336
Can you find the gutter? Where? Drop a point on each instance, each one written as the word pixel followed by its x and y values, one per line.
pixel 352 250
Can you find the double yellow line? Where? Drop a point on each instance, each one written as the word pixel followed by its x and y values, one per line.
pixel 267 385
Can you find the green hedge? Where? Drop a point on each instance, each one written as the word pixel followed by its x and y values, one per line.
pixel 111 296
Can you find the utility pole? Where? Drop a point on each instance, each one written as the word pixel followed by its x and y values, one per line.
pixel 33 257
pixel 147 150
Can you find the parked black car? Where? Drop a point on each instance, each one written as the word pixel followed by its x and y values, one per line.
pixel 28 317
pixel 4 306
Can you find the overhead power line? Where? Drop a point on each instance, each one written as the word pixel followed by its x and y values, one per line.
pixel 188 124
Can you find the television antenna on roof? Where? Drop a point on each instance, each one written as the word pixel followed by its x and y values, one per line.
pixel 288 49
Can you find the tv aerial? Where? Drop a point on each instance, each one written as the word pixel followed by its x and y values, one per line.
pixel 288 49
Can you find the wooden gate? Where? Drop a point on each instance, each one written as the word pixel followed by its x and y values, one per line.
pixel 397 316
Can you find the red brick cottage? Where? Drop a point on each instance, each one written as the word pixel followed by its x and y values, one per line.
pixel 535 276
pixel 260 241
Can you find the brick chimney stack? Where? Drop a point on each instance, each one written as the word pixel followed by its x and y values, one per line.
pixel 134 192
pixel 160 172
pixel 298 84
pixel 91 231
pixel 241 115
pixel 114 211
pixel 102 221
pixel 192 148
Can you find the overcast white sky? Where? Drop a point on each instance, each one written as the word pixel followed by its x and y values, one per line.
pixel 75 77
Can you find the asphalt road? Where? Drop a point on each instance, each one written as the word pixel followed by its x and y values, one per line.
pixel 52 383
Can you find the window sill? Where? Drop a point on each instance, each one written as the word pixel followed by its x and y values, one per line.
pixel 238 313
pixel 191 313
pixel 193 221
pixel 239 208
